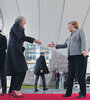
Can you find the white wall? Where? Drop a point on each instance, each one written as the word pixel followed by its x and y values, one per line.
pixel 50 15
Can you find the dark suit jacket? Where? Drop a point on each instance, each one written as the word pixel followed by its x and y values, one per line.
pixel 3 47
pixel 41 65
pixel 57 76
pixel 15 60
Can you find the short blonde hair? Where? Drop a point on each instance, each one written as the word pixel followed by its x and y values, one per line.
pixel 75 24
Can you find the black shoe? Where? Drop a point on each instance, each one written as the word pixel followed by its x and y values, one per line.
pixel 81 96
pixel 45 89
pixel 3 94
pixel 65 95
pixel 36 90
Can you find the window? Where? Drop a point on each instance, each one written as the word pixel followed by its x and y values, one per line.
pixel 32 53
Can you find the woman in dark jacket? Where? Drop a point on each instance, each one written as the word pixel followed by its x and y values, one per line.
pixel 57 79
pixel 15 60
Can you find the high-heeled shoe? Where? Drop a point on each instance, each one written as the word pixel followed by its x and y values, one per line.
pixel 17 96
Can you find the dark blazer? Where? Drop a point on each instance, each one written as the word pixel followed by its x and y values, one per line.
pixel 15 60
pixel 3 47
pixel 41 65
pixel 57 76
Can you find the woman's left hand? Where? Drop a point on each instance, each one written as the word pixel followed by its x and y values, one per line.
pixel 84 53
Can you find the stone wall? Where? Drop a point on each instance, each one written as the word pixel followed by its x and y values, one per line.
pixel 57 61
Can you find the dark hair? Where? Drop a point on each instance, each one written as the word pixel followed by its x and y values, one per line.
pixel 42 53
pixel 0 30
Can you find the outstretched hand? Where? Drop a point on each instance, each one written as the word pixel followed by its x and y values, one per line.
pixel 52 44
pixel 37 41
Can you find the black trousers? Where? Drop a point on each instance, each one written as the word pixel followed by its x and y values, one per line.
pixel 3 79
pixel 77 66
pixel 16 81
pixel 3 83
pixel 43 79
pixel 57 84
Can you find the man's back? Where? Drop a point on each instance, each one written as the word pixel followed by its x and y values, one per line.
pixel 3 43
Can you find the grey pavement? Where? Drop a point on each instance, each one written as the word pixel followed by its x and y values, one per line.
pixel 49 91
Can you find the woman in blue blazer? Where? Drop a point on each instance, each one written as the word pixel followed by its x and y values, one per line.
pixel 16 65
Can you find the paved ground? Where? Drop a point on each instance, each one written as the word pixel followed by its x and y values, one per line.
pixel 49 91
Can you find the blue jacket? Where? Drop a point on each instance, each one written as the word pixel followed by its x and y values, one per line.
pixel 15 60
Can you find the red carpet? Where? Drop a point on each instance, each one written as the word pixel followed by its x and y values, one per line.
pixel 45 97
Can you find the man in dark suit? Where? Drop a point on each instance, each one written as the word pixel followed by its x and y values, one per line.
pixel 3 47
pixel 40 70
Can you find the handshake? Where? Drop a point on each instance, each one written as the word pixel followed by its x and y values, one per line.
pixel 49 45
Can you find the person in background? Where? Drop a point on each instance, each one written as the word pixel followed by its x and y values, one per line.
pixel 77 58
pixel 3 47
pixel 57 79
pixel 40 70
pixel 65 75
pixel 16 65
